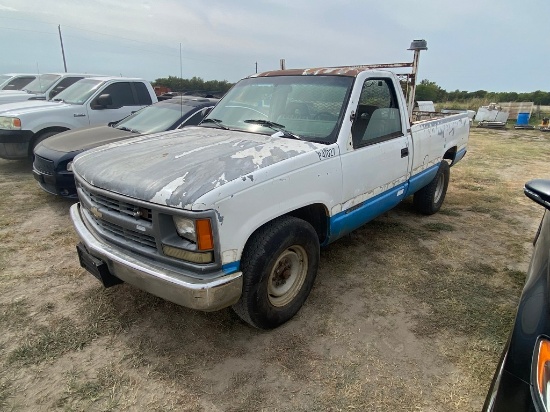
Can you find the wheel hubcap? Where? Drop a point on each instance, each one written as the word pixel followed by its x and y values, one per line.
pixel 287 276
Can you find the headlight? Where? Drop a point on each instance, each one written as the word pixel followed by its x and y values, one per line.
pixel 198 231
pixel 542 371
pixel 186 228
pixel 10 123
pixel 70 167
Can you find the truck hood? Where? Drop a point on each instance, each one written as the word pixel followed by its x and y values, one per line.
pixel 85 138
pixel 176 168
pixel 30 106
pixel 14 93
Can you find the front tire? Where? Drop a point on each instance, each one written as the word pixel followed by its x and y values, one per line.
pixel 279 266
pixel 429 199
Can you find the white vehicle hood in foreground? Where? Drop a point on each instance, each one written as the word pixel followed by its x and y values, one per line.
pixel 177 168
pixel 31 106
pixel 17 96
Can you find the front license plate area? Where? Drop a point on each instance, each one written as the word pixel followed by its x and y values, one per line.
pixel 96 267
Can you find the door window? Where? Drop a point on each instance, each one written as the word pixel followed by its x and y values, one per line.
pixel 121 95
pixel 143 96
pixel 377 117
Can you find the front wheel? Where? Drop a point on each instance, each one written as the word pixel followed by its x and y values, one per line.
pixel 279 266
pixel 429 199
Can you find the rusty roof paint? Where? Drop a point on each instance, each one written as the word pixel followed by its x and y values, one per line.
pixel 350 71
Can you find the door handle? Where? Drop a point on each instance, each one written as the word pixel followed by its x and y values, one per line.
pixel 79 115
pixel 405 152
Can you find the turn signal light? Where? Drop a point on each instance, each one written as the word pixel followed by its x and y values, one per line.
pixel 205 239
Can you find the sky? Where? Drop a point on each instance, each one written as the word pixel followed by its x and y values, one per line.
pixel 493 45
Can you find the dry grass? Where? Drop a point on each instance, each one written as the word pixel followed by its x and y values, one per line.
pixel 408 313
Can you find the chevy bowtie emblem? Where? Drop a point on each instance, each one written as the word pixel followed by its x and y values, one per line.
pixel 95 211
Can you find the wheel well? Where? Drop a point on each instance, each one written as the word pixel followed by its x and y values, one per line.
pixel 317 216
pixel 450 154
pixel 55 129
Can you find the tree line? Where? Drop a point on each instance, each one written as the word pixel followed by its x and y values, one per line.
pixel 177 84
pixel 428 90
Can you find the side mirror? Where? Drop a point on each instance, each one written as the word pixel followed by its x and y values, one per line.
pixel 539 191
pixel 103 101
pixel 55 92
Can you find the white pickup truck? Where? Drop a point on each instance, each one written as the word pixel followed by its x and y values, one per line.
pixel 234 211
pixel 90 101
pixel 43 87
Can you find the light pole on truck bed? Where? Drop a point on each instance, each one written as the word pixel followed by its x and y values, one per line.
pixel 416 46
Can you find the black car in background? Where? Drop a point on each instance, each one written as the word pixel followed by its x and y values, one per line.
pixel 522 378
pixel 53 157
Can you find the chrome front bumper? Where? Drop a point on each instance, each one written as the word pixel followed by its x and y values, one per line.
pixel 175 285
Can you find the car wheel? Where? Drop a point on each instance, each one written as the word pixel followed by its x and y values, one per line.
pixel 429 199
pixel 279 266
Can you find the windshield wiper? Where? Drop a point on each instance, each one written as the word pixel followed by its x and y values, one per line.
pixel 127 129
pixel 274 126
pixel 217 122
pixel 57 100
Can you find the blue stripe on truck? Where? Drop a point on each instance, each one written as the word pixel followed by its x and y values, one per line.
pixel 232 267
pixel 354 217
pixel 421 179
pixel 459 155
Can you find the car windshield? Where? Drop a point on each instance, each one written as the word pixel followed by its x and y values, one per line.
pixel 155 118
pixel 79 92
pixel 306 107
pixel 41 83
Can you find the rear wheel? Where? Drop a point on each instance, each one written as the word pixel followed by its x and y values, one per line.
pixel 429 199
pixel 279 267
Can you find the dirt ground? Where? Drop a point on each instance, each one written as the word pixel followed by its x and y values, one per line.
pixel 409 313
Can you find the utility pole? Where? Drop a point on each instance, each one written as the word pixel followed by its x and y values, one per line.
pixel 62 49
pixel 256 67
pixel 283 64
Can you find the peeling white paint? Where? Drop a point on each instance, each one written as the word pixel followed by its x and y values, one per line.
pixel 198 149
pixel 258 154
pixel 166 192
pixel 219 181
pixel 229 256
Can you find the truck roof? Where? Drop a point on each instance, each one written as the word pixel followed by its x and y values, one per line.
pixel 108 78
pixel 19 74
pixel 350 71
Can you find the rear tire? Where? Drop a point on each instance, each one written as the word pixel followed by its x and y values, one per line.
pixel 429 199
pixel 279 266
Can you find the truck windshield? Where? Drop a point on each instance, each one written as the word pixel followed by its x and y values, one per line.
pixel 308 107
pixel 155 118
pixel 79 92
pixel 41 83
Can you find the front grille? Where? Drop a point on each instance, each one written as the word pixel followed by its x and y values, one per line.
pixel 119 206
pixel 43 165
pixel 126 234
